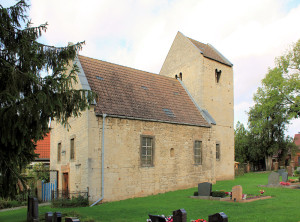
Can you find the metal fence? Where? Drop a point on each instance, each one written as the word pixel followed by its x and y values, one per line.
pixel 63 194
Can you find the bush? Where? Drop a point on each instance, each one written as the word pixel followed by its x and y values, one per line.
pixel 79 201
pixel 218 193
pixel 11 203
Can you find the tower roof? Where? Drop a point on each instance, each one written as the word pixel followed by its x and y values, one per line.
pixel 210 52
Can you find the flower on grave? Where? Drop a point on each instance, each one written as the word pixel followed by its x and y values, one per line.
pixel 198 220
pixel 285 183
pixel 228 193
pixel 244 196
pixel 261 191
pixel 169 219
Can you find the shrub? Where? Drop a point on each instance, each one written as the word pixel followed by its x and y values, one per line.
pixel 79 201
pixel 10 203
pixel 218 193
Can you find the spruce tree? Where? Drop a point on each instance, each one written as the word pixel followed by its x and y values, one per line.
pixel 35 87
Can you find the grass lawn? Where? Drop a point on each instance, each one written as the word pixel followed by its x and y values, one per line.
pixel 284 206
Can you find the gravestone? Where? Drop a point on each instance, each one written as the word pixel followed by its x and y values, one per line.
pixel 280 171
pixel 290 171
pixel 298 169
pixel 157 218
pixel 204 189
pixel 32 209
pixel 276 166
pixel 273 179
pixel 57 217
pixel 48 216
pixel 237 193
pixel 218 217
pixel 72 219
pixel 179 215
pixel 284 176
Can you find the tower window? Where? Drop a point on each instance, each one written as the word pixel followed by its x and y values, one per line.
pixel 218 75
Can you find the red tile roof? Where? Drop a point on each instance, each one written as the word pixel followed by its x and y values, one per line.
pixel 297 140
pixel 43 147
pixel 130 93
pixel 210 52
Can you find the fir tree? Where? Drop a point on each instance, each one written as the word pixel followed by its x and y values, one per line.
pixel 29 99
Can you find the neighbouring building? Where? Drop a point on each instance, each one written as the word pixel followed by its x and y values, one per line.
pixel 297 154
pixel 43 150
pixel 149 133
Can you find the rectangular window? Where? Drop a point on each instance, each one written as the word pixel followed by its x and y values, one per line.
pixel 198 152
pixel 217 151
pixel 72 149
pixel 59 152
pixel 147 149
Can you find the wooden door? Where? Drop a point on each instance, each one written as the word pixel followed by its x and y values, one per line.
pixel 65 185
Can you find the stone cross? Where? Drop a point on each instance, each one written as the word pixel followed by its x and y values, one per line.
pixel 273 179
pixel 204 189
pixel 237 193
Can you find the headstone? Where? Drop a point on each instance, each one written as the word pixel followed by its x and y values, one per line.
pixel 298 169
pixel 32 209
pixel 204 189
pixel 290 171
pixel 280 171
pixel 275 166
pixel 218 217
pixel 72 219
pixel 57 217
pixel 48 216
pixel 273 179
pixel 284 176
pixel 179 215
pixel 237 193
pixel 157 218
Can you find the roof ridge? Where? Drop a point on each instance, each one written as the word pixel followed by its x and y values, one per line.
pixel 151 73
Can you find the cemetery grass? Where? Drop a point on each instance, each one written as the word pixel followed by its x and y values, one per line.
pixel 283 206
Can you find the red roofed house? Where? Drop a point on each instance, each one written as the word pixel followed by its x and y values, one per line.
pixel 149 133
pixel 43 150
pixel 297 154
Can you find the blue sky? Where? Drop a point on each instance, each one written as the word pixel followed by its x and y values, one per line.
pixel 139 33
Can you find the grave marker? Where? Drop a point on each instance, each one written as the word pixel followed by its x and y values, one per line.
pixel 218 217
pixel 273 179
pixel 48 216
pixel 204 189
pixel 57 217
pixel 179 215
pixel 284 176
pixel 32 209
pixel 280 171
pixel 237 193
pixel 290 171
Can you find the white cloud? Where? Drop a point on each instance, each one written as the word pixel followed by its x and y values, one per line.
pixel 139 33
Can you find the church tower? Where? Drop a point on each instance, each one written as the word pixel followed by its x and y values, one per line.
pixel 208 76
